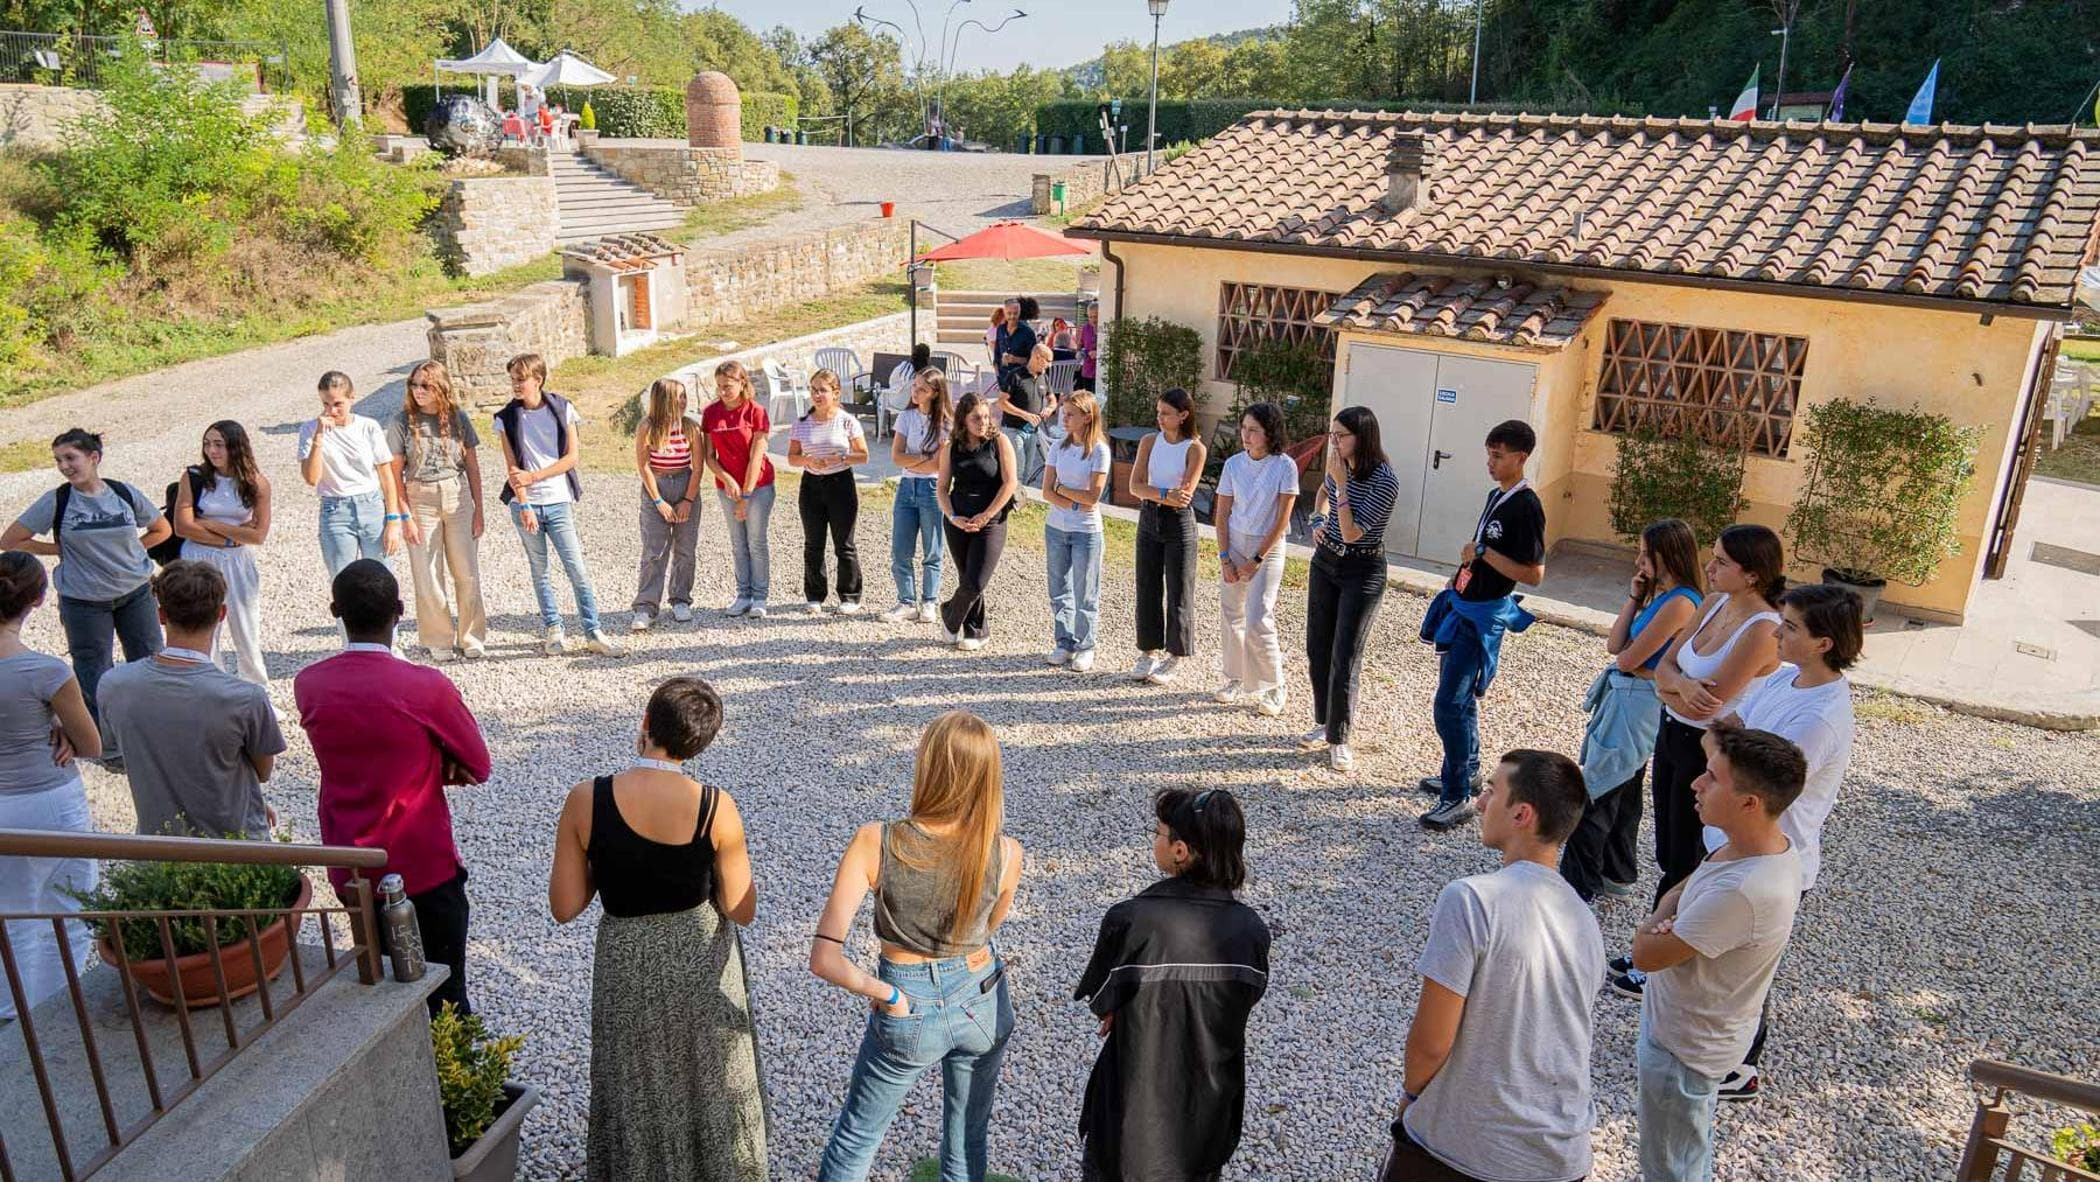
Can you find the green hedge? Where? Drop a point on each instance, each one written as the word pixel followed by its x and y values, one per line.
pixel 624 112
pixel 1200 119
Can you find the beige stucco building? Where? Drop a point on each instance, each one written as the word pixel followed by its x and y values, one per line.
pixel 1592 274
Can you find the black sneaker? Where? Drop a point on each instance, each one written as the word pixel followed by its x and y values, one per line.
pixel 1629 983
pixel 1448 815
pixel 1740 1086
pixel 1434 785
pixel 1620 964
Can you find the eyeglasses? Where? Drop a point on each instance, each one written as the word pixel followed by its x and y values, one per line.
pixel 422 385
pixel 1339 434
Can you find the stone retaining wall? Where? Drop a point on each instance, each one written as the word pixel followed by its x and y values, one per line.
pixel 36 117
pixel 735 283
pixel 884 334
pixel 486 224
pixel 475 341
pixel 685 175
pixel 1084 184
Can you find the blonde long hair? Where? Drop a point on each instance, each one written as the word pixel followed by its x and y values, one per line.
pixel 1081 400
pixel 667 408
pixel 739 376
pixel 440 381
pixel 958 780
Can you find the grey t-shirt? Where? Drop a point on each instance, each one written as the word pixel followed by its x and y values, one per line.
pixel 1738 915
pixel 1512 1103
pixel 433 457
pixel 99 552
pixel 187 732
pixel 28 681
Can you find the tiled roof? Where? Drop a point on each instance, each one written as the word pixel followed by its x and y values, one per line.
pixel 1500 311
pixel 1980 214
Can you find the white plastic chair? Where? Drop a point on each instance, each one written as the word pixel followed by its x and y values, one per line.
pixel 845 363
pixel 956 368
pixel 894 399
pixel 1059 378
pixel 787 399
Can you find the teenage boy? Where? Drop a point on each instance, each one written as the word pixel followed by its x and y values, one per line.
pixel 540 432
pixel 389 737
pixel 198 742
pixel 1497 1084
pixel 1711 946
pixel 1467 621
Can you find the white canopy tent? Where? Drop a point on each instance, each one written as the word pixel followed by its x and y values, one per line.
pixel 565 69
pixel 496 60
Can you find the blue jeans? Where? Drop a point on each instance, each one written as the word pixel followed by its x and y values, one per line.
pixel 1457 714
pixel 1676 1107
pixel 1028 455
pixel 955 1023
pixel 557 527
pixel 747 542
pixel 1075 586
pixel 915 523
pixel 352 528
pixel 95 626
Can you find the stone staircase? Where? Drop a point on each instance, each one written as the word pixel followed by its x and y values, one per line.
pixel 595 201
pixel 962 317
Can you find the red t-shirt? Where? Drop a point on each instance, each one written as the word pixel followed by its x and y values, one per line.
pixel 731 434
pixel 381 730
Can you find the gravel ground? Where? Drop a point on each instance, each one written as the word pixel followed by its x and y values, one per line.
pixel 1947 926
pixel 958 192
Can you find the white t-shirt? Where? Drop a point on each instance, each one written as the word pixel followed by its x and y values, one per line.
pixel 828 439
pixel 1819 721
pixel 1513 1100
pixel 912 427
pixel 541 445
pixel 351 456
pixel 1738 916
pixel 1257 488
pixel 1076 468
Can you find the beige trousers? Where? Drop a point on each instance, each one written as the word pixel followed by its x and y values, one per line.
pixel 444 512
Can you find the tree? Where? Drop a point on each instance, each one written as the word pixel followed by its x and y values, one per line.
pixel 865 75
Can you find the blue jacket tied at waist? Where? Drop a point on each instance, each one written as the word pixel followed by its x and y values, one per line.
pixel 1452 621
pixel 1625 716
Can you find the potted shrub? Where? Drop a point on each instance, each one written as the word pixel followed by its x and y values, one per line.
pixel 1697 482
pixel 1882 497
pixel 1139 358
pixel 2079 1146
pixel 195 886
pixel 586 126
pixel 483 1112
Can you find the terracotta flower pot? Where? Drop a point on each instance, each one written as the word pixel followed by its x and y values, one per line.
pixel 200 986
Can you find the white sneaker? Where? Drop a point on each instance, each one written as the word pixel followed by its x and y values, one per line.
pixel 1313 739
pixel 1083 662
pixel 737 608
pixel 1230 692
pixel 553 643
pixel 641 621
pixel 815 609
pixel 849 607
pixel 683 613
pixel 1340 758
pixel 928 613
pixel 1270 702
pixel 1146 663
pixel 901 613
pixel 1163 673
pixel 597 643
pixel 1058 656
pixel 949 637
pixel 969 644
pixel 756 611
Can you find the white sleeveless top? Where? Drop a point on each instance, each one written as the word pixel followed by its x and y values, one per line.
pixel 1169 462
pixel 221 502
pixel 1699 668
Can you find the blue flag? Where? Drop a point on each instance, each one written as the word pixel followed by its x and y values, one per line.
pixel 1921 106
pixel 1837 98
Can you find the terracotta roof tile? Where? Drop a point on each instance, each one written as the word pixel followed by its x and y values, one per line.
pixel 1990 214
pixel 1496 311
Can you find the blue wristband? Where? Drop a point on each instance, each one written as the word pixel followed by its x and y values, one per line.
pixel 896 995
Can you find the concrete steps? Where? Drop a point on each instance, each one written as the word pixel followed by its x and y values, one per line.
pixel 596 202
pixel 960 317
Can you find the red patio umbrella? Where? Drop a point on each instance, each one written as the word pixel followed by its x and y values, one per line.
pixel 1005 240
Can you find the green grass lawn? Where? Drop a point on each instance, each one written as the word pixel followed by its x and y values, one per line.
pixel 24 455
pixel 2078 459
pixel 1054 274
pixel 738 213
pixel 2081 350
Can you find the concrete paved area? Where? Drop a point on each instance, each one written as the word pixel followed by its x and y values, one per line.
pixel 958 192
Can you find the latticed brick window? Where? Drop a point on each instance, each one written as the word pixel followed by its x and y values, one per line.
pixel 1714 384
pixel 1255 313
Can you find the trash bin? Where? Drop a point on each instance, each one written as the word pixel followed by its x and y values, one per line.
pixel 1042 145
pixel 1057 194
pixel 1022 145
pixel 772 134
pixel 801 137
pixel 1057 145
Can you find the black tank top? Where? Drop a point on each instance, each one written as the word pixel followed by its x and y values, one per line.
pixel 637 876
pixel 974 478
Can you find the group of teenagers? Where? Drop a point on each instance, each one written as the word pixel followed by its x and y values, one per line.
pixel 1729 683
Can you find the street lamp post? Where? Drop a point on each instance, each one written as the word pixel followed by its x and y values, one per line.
pixel 1473 95
pixel 956 50
pixel 1785 33
pixel 1158 9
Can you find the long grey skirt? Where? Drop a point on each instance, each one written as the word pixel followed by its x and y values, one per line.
pixel 675 1086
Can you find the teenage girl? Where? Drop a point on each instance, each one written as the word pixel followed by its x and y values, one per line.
pixel 222 513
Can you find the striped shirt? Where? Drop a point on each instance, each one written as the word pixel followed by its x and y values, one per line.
pixel 675 453
pixel 827 439
pixel 1370 507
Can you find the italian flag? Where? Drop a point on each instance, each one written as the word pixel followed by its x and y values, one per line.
pixel 1745 108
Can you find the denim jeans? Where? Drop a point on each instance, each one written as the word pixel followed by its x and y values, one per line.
pixel 1457 714
pixel 915 523
pixel 1676 1108
pixel 352 528
pixel 1028 455
pixel 747 542
pixel 94 627
pixel 558 528
pixel 956 1023
pixel 1075 586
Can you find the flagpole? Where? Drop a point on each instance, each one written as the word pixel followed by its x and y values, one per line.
pixel 2086 104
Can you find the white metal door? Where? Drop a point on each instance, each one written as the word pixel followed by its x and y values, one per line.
pixel 1471 396
pixel 1397 385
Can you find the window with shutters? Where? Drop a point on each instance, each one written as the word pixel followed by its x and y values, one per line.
pixel 1256 313
pixel 1715 384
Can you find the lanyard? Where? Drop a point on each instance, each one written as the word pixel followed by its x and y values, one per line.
pixel 1496 500
pixel 661 765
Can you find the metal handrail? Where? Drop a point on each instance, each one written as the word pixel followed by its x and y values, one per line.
pixel 138 847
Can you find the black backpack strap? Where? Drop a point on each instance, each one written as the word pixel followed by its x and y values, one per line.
pixel 60 498
pixel 130 497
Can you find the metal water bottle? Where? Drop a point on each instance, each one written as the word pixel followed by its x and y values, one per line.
pixel 404 938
